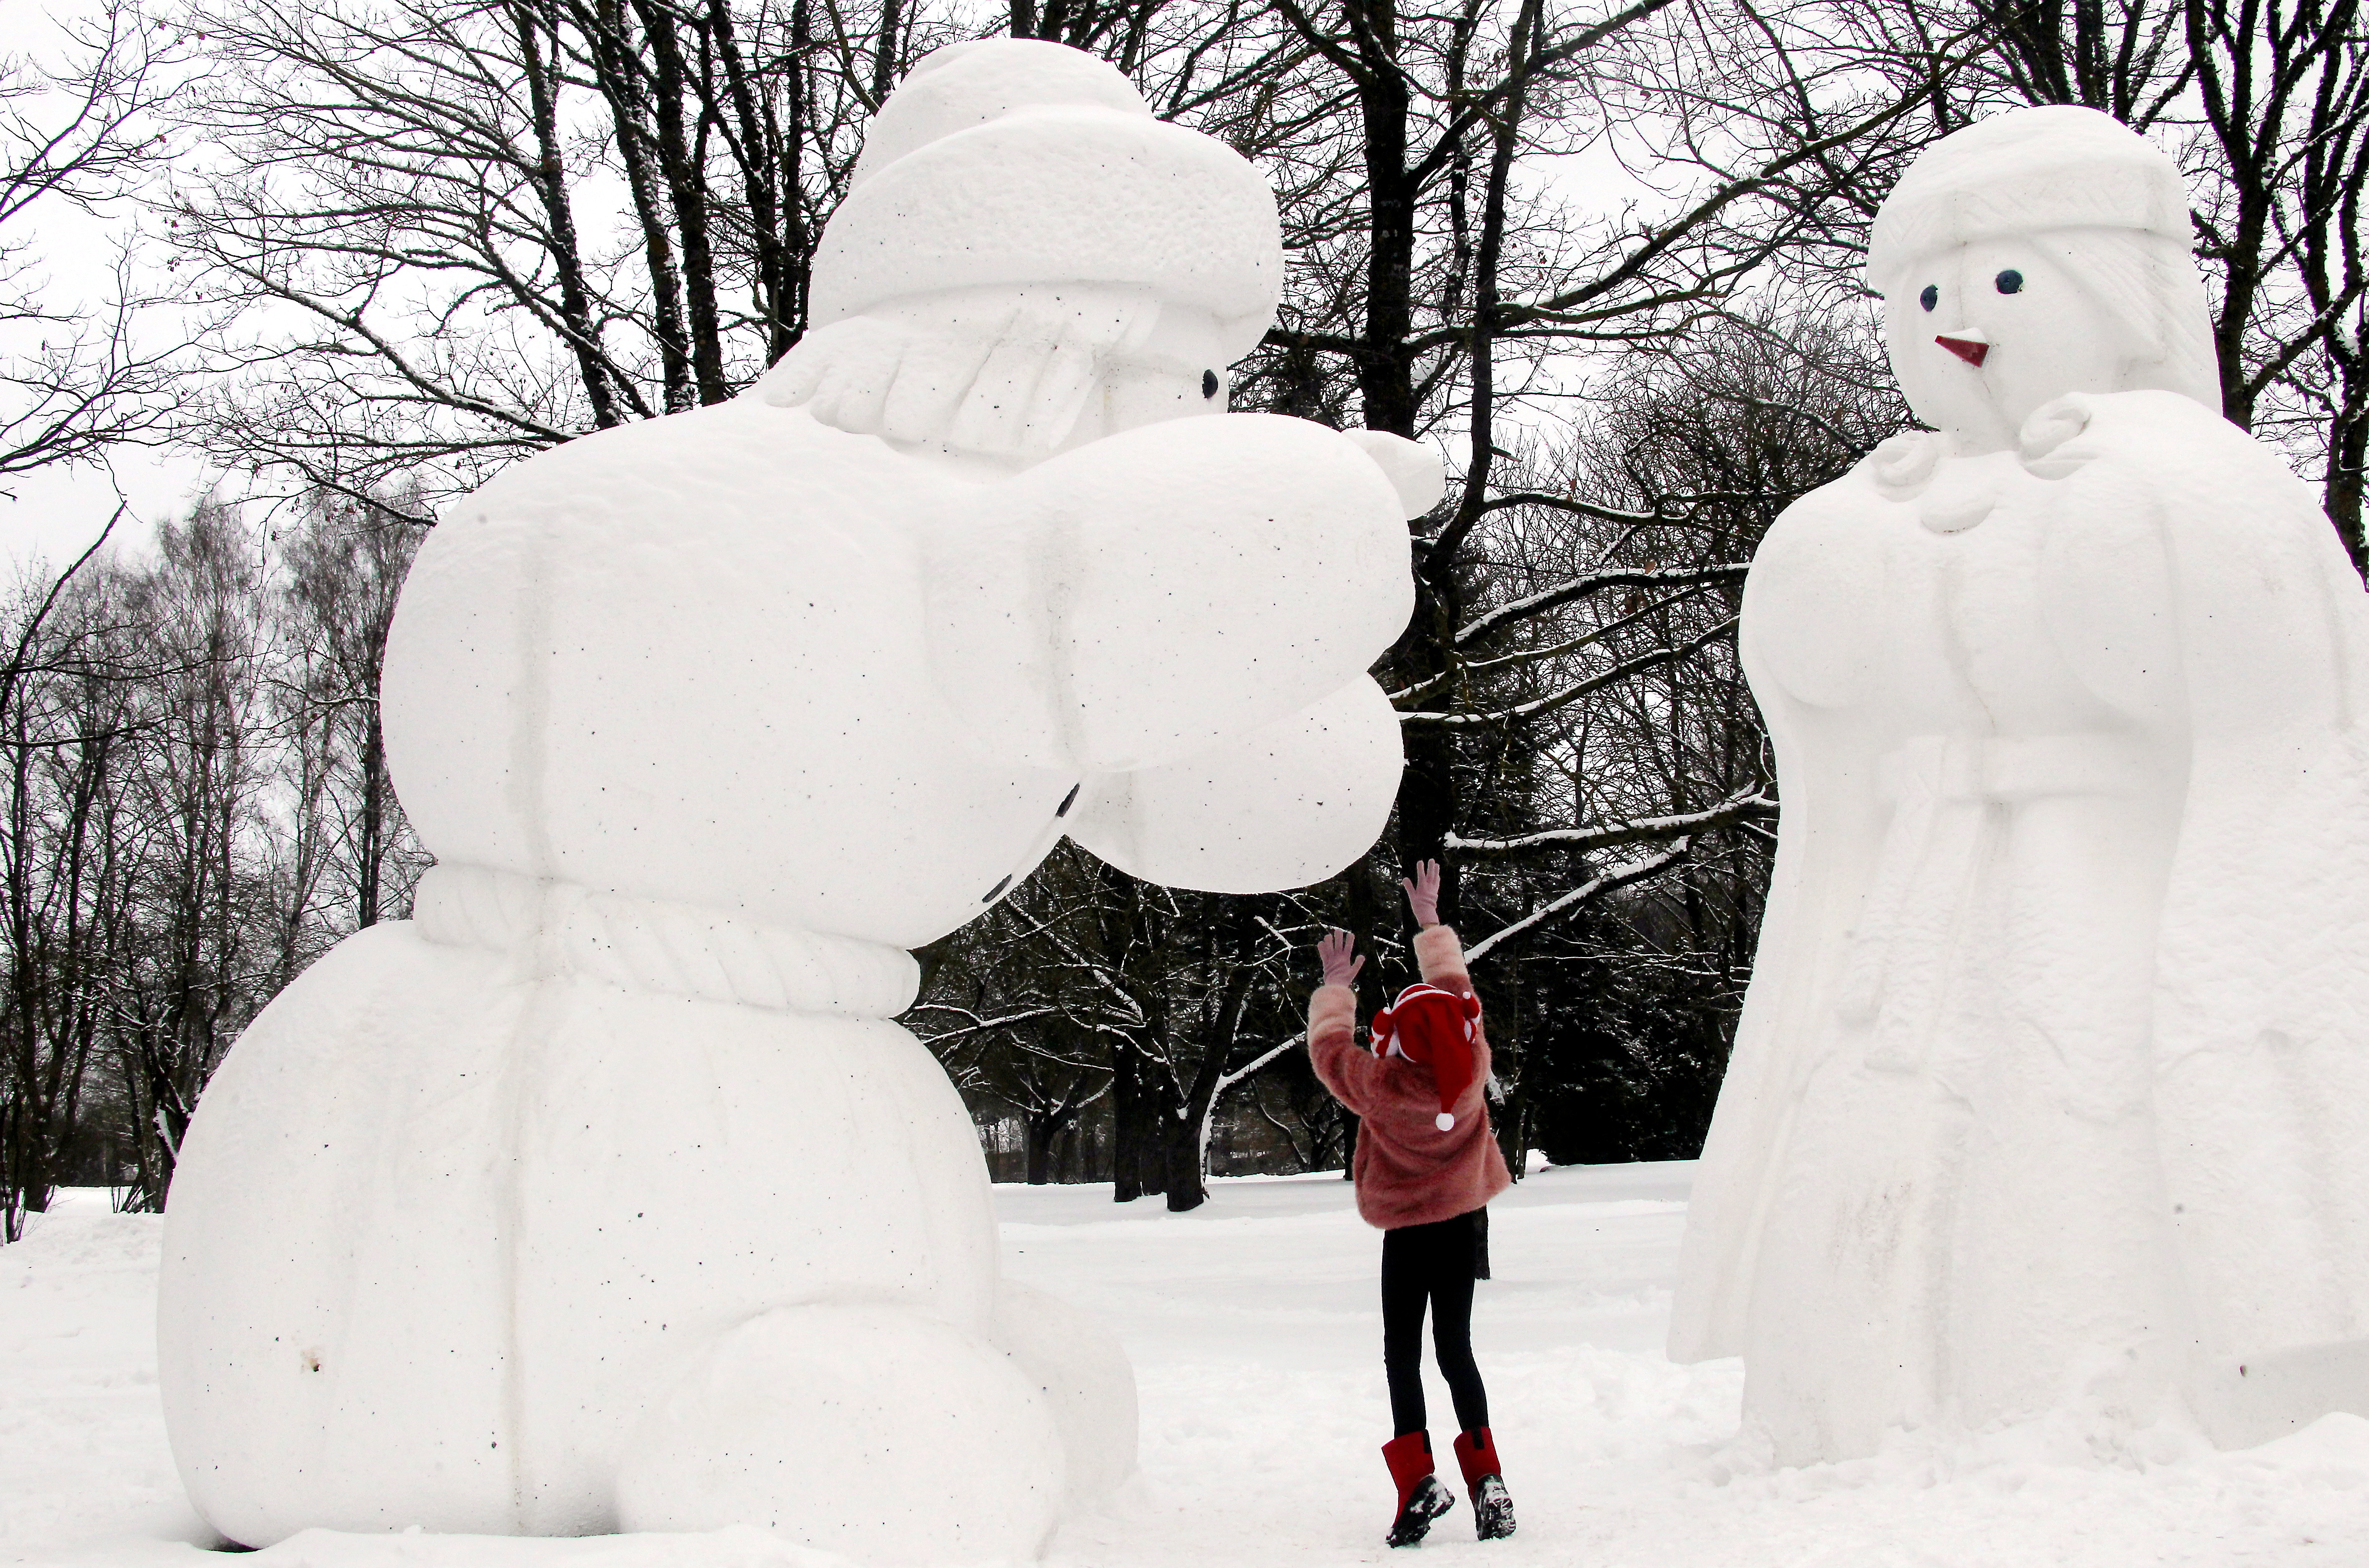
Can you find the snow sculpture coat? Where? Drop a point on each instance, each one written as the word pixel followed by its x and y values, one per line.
pixel 2221 638
pixel 2051 1091
pixel 1408 1171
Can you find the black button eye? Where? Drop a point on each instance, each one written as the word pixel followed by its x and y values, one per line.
pixel 1930 297
pixel 1208 384
pixel 2009 283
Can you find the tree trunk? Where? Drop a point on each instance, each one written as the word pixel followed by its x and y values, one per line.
pixel 682 162
pixel 1187 1189
pixel 1041 1134
pixel 2348 451
pixel 1138 1128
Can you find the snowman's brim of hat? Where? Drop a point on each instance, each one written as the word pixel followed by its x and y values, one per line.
pixel 2026 172
pixel 1063 193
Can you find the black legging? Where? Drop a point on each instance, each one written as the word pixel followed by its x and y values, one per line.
pixel 1436 1264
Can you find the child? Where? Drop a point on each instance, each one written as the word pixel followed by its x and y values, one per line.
pixel 1426 1167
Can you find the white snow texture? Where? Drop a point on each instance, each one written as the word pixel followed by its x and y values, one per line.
pixel 2052 1089
pixel 707 720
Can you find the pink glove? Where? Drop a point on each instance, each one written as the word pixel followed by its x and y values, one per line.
pixel 1423 893
pixel 1333 951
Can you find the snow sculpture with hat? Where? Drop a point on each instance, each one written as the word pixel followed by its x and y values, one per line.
pixel 2052 1089
pixel 604 1195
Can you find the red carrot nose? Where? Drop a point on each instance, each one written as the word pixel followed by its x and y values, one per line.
pixel 1966 348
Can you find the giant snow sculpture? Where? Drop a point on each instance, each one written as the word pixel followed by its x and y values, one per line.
pixel 2052 1090
pixel 603 1195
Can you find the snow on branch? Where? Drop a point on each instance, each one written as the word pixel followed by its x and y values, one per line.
pixel 1612 881
pixel 976 1023
pixel 1462 668
pixel 1521 712
pixel 1579 587
pixel 1744 806
pixel 1258 1064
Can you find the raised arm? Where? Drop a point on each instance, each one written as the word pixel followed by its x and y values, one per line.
pixel 1436 948
pixel 1333 1051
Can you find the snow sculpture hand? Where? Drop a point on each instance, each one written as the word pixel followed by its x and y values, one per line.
pixel 1413 468
pixel 1333 951
pixel 1904 464
pixel 1423 893
pixel 2048 443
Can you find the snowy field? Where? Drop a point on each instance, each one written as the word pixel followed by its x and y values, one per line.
pixel 1256 1332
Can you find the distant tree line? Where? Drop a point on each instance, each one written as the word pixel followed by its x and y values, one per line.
pixel 197 806
pixel 1603 258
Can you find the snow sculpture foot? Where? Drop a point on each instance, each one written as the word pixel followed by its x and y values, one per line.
pixel 865 1428
pixel 871 1426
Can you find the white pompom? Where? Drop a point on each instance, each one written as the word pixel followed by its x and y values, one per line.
pixel 1443 1121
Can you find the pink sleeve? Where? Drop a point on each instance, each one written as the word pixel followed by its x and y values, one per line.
pixel 1442 957
pixel 1333 1051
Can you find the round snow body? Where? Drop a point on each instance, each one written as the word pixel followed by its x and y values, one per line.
pixel 867 1428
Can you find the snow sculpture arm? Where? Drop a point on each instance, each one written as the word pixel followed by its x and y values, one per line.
pixel 1161 591
pixel 1830 820
pixel 1287 805
pixel 2261 1085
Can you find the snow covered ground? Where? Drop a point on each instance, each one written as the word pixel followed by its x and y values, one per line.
pixel 1255 1333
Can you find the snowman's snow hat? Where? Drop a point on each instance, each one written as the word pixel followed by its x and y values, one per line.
pixel 2024 172
pixel 1438 1029
pixel 1016 162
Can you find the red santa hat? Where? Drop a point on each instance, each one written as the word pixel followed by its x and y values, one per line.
pixel 1438 1029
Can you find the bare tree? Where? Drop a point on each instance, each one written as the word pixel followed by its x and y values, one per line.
pixel 194 959
pixel 67 713
pixel 1462 279
pixel 344 565
pixel 76 137
pixel 505 224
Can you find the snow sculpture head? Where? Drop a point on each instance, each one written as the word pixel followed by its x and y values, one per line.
pixel 1029 261
pixel 2037 253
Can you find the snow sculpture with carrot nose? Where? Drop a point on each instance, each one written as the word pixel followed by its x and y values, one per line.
pixel 2052 1089
pixel 604 1193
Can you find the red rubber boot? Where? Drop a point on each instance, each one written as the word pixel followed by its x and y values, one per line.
pixel 1420 1497
pixel 1493 1510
